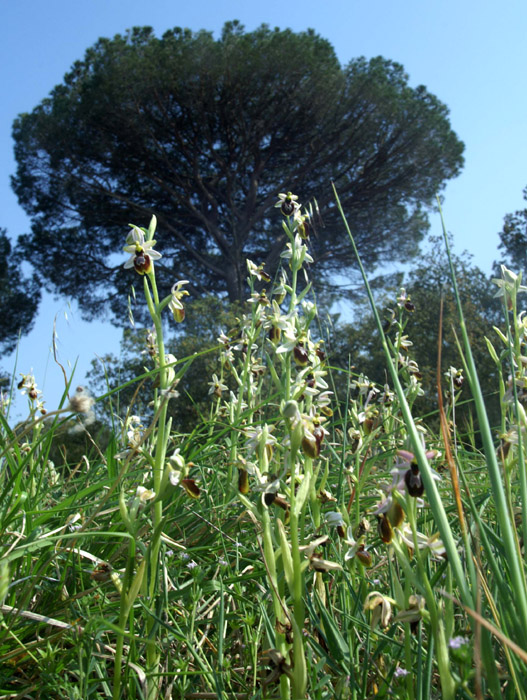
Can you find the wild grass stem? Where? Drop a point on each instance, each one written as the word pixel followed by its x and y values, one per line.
pixel 432 493
pixel 514 565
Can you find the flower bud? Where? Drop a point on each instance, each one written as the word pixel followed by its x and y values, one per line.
pixel 291 410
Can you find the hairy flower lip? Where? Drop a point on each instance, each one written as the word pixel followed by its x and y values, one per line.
pixel 406 473
pixel 216 386
pixel 190 487
pixel 287 203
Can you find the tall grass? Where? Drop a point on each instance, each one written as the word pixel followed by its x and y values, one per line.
pixel 308 539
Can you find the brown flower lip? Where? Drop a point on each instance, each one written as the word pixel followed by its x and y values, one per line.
pixel 414 483
pixel 142 263
pixel 287 208
pixel 191 487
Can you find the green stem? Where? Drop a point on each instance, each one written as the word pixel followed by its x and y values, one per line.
pixel 123 614
pixel 515 570
pixel 242 383
pixel 280 640
pixel 152 651
pixel 432 492
pixel 299 670
pixel 448 686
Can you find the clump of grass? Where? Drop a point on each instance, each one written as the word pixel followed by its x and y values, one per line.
pixel 307 540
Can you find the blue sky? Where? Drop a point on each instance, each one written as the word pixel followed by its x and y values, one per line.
pixel 471 54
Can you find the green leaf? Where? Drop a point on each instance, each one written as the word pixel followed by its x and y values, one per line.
pixel 135 587
pixel 287 560
pixel 337 645
pixel 301 495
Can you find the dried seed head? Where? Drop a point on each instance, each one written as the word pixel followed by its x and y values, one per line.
pixel 102 572
pixel 81 401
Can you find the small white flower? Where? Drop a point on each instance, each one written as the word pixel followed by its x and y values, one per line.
pixel 290 337
pixel 260 437
pixel 432 543
pixel 216 387
pixel 144 494
pixel 134 434
pixel 257 271
pixel 175 305
pixel 362 383
pixel 259 298
pixel 169 393
pixel 287 203
pixel 381 607
pixel 72 521
pixel 224 340
pixel 142 252
pixel 28 386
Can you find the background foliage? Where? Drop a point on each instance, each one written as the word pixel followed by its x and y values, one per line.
pixel 513 238
pixel 19 296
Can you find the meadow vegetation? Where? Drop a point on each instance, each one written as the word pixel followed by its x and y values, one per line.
pixel 310 532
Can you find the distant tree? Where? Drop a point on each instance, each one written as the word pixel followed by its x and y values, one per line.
pixel 205 133
pixel 425 284
pixel 72 444
pixel 514 240
pixel 19 297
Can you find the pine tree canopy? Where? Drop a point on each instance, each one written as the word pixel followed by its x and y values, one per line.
pixel 204 133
